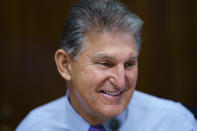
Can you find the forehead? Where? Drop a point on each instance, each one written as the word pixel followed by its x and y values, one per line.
pixel 105 38
pixel 108 41
pixel 126 37
pixel 119 45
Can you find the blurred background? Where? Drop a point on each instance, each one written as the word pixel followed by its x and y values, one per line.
pixel 29 36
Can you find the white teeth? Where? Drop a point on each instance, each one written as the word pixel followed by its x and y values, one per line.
pixel 111 93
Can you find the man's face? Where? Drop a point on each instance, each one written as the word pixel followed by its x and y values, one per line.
pixel 104 76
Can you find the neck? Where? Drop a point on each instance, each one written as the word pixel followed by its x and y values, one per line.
pixel 89 116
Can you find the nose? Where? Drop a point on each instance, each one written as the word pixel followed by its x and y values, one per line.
pixel 118 77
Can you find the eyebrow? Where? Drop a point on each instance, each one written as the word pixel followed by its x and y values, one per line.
pixel 104 56
pixel 109 57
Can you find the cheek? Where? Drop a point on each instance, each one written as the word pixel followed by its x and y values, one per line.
pixel 94 77
pixel 89 84
pixel 132 76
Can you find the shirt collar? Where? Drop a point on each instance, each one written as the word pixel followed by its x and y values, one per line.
pixel 75 121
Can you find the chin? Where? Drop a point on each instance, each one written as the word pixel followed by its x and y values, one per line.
pixel 112 111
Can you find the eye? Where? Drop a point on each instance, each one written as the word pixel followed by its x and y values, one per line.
pixel 106 64
pixel 129 64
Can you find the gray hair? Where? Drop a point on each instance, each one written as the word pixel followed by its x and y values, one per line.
pixel 97 16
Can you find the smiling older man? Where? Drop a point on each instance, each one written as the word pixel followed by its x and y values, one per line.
pixel 99 61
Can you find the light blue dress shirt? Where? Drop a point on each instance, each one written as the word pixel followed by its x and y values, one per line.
pixel 144 113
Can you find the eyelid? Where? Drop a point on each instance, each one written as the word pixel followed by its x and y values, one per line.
pixel 131 62
pixel 107 63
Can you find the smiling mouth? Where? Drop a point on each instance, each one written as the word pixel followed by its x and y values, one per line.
pixel 112 93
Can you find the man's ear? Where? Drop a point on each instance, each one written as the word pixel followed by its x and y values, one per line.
pixel 63 60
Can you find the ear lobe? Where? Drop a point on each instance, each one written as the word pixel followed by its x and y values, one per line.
pixel 63 60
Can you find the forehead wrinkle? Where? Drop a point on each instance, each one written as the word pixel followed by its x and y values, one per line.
pixel 134 57
pixel 103 56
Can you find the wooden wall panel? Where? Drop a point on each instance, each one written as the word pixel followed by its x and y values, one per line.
pixel 29 36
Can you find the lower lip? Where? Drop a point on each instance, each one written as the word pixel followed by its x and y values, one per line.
pixel 111 100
